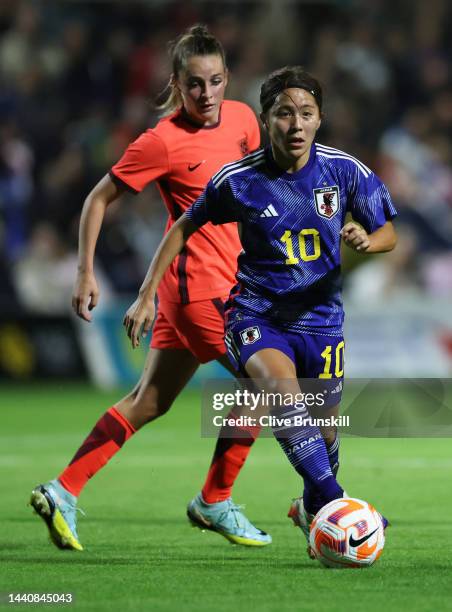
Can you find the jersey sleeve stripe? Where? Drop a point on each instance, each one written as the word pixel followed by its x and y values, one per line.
pixel 237 162
pixel 357 164
pixel 331 150
pixel 246 160
pixel 258 162
pixel 122 184
pixel 334 150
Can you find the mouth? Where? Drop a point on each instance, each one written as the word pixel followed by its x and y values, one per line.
pixel 206 108
pixel 296 143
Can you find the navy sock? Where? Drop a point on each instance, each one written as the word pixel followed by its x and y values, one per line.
pixel 312 498
pixel 305 448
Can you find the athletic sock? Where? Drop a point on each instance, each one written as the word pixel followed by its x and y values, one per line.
pixel 305 448
pixel 105 439
pixel 333 455
pixel 231 451
pixel 311 497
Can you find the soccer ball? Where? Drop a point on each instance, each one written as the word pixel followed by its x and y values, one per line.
pixel 347 532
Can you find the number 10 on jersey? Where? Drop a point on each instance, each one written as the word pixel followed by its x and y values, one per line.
pixel 311 235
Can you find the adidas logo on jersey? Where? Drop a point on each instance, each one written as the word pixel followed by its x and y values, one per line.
pixel 269 212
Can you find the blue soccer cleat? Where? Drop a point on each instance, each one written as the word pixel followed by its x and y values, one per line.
pixel 57 508
pixel 226 519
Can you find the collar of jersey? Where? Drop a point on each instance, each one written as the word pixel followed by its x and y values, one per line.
pixel 186 117
pixel 290 176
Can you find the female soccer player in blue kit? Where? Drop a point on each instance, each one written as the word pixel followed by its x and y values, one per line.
pixel 284 317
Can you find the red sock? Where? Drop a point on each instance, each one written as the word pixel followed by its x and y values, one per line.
pixel 106 438
pixel 229 456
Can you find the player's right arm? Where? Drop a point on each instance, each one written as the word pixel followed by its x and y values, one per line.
pixel 144 160
pixel 86 292
pixel 141 313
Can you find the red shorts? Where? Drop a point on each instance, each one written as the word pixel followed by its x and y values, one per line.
pixel 198 327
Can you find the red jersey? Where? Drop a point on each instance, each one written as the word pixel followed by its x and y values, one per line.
pixel 181 157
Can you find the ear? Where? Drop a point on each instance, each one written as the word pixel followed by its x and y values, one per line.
pixel 173 81
pixel 263 118
pixel 226 77
pixel 320 120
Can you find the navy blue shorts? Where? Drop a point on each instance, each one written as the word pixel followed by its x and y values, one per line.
pixel 315 356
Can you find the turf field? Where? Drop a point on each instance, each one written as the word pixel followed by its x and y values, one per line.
pixel 141 554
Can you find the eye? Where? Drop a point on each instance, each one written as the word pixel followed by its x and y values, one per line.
pixel 283 113
pixel 307 114
pixel 216 81
pixel 191 84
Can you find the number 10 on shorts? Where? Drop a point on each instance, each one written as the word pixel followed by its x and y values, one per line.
pixel 338 361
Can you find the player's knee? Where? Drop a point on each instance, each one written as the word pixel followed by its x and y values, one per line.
pixel 328 434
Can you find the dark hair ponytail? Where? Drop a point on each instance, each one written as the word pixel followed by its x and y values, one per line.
pixel 197 40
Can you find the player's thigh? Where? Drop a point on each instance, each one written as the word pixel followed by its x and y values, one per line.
pixel 165 374
pixel 169 364
pixel 167 371
pixel 260 351
pixel 272 365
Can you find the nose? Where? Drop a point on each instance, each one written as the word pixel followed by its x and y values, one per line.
pixel 297 123
pixel 207 91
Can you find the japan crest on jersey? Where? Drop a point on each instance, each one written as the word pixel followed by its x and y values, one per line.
pixel 250 335
pixel 327 201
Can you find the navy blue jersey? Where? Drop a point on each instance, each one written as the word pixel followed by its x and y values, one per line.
pixel 289 269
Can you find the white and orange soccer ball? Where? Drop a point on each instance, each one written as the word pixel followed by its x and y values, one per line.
pixel 347 532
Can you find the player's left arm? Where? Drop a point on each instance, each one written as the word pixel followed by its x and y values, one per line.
pixel 381 240
pixel 208 207
pixel 372 211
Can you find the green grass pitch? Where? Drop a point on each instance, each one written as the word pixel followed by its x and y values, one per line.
pixel 140 552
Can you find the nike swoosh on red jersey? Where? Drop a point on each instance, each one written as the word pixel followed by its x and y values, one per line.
pixel 192 167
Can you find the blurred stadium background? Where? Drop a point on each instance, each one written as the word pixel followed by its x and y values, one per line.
pixel 77 81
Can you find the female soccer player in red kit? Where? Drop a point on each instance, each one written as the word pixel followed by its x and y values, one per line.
pixel 199 134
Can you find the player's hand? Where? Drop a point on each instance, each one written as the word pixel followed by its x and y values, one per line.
pixel 85 295
pixel 138 319
pixel 355 237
